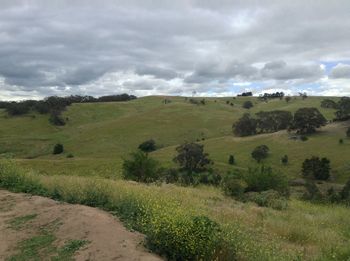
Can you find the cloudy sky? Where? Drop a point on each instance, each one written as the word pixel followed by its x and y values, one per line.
pixel 215 48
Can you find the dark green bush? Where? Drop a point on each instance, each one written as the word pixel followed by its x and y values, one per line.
pixel 263 178
pixel 316 168
pixel 312 192
pixel 269 198
pixel 247 105
pixel 348 132
pixel 70 155
pixel 231 160
pixel 260 152
pixel 148 146
pixel 58 149
pixel 284 160
pixel 141 168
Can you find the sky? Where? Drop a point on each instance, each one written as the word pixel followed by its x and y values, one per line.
pixel 210 48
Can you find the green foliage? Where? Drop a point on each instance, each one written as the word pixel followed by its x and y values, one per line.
pixel 264 178
pixel 58 149
pixel 343 112
pixel 329 104
pixel 268 198
pixel 231 160
pixel 284 160
pixel 148 146
pixel 307 120
pixel 141 168
pixel 345 192
pixel 70 155
pixel 56 118
pixel 233 185
pixel 16 180
pixel 260 152
pixel 272 121
pixel 192 158
pixel 247 105
pixel 341 141
pixel 245 126
pixel 316 168
pixel 348 132
pixel 312 192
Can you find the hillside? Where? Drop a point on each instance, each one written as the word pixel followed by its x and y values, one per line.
pixel 100 134
pixel 178 220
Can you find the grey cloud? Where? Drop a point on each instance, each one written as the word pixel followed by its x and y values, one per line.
pixel 341 71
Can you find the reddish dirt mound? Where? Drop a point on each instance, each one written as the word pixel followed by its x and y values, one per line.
pixel 23 216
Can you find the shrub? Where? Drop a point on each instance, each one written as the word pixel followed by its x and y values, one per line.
pixel 341 141
pixel 303 138
pixel 70 155
pixel 233 185
pixel 260 152
pixel 312 192
pixel 284 160
pixel 209 177
pixel 269 198
pixel 316 168
pixel 56 119
pixel 231 160
pixel 348 133
pixel 16 180
pixel 148 145
pixel 345 192
pixel 141 168
pixel 263 178
pixel 247 105
pixel 58 149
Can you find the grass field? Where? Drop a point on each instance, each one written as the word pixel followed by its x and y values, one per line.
pixel 100 135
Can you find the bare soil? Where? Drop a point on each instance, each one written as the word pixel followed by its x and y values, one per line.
pixel 108 238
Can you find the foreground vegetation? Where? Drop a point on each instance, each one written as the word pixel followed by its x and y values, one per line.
pixel 194 223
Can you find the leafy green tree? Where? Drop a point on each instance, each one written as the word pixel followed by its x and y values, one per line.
pixel 272 121
pixel 192 158
pixel 307 120
pixel 247 105
pixel 148 145
pixel 141 168
pixel 58 149
pixel 260 152
pixel 316 168
pixel 245 126
pixel 343 112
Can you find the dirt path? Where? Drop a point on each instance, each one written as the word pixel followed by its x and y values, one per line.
pixel 32 226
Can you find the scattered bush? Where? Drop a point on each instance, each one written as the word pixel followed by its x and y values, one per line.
pixel 316 168
pixel 233 185
pixel 345 192
pixel 231 160
pixel 56 119
pixel 288 99
pixel 303 138
pixel 348 133
pixel 269 198
pixel 312 192
pixel 141 168
pixel 260 152
pixel 341 141
pixel 247 105
pixel 328 103
pixel 70 155
pixel 264 178
pixel 148 146
pixel 58 149
pixel 284 160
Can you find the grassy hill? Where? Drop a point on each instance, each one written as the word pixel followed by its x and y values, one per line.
pixel 99 135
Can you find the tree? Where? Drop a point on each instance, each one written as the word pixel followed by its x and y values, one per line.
pixel 231 160
pixel 247 105
pixel 140 168
pixel 343 112
pixel 261 152
pixel 328 103
pixel 245 126
pixel 58 149
pixel 191 157
pixel 56 119
pixel 284 160
pixel 307 120
pixel 288 98
pixel 148 145
pixel 271 121
pixel 316 168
